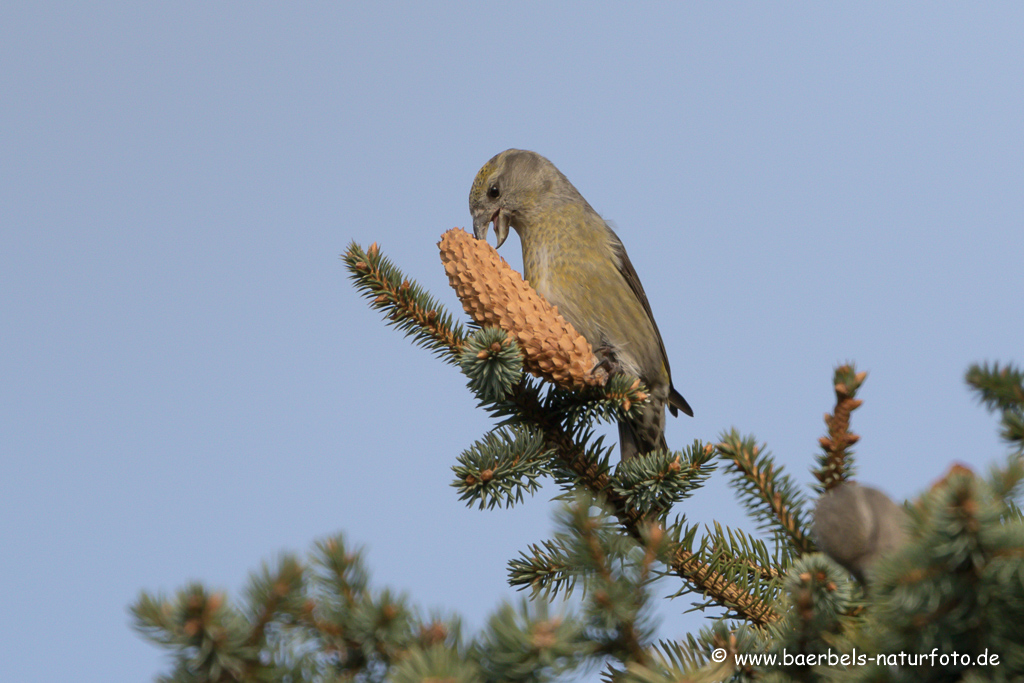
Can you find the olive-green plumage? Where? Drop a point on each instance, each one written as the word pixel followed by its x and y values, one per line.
pixel 576 262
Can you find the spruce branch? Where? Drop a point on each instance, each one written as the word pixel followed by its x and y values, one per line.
pixel 733 550
pixel 495 295
pixel 595 478
pixel 571 556
pixel 213 641
pixel 818 598
pixel 594 454
pixel 526 643
pixel 617 572
pixel 1002 388
pixel 769 495
pixel 814 598
pixel 546 568
pixel 614 570
pixel 622 396
pixel 497 469
pixel 274 594
pixel 405 304
pixel 337 572
pixel 958 581
pixel 653 482
pixel 738 561
pixel 953 585
pixel 1006 484
pixel 492 361
pixel 835 464
pixel 358 633
pixel 320 622
pixel 438 662
pixel 999 388
pixel 721 589
pixel 691 658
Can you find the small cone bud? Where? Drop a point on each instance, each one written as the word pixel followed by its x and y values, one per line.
pixel 955 470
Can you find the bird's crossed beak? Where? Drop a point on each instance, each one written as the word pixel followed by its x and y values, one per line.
pixel 501 219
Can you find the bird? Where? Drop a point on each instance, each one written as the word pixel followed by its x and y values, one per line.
pixel 857 525
pixel 575 261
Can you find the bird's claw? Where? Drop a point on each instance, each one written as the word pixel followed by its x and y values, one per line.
pixel 607 361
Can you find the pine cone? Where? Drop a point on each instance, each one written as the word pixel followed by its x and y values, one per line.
pixel 494 294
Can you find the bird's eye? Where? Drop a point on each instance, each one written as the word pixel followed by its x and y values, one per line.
pixel 493 192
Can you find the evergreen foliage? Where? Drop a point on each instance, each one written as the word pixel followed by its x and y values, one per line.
pixel 947 605
pixel 1002 389
pixel 492 361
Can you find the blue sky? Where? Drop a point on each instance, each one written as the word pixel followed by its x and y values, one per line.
pixel 189 384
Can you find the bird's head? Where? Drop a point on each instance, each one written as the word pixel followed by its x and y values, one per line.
pixel 508 190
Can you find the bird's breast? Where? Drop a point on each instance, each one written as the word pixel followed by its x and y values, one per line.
pixel 537 268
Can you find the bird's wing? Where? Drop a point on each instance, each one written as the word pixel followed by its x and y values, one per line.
pixel 628 272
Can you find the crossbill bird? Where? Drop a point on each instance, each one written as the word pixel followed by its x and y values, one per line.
pixel 573 259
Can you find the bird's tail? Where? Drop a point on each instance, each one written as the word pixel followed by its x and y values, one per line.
pixel 635 440
pixel 676 402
